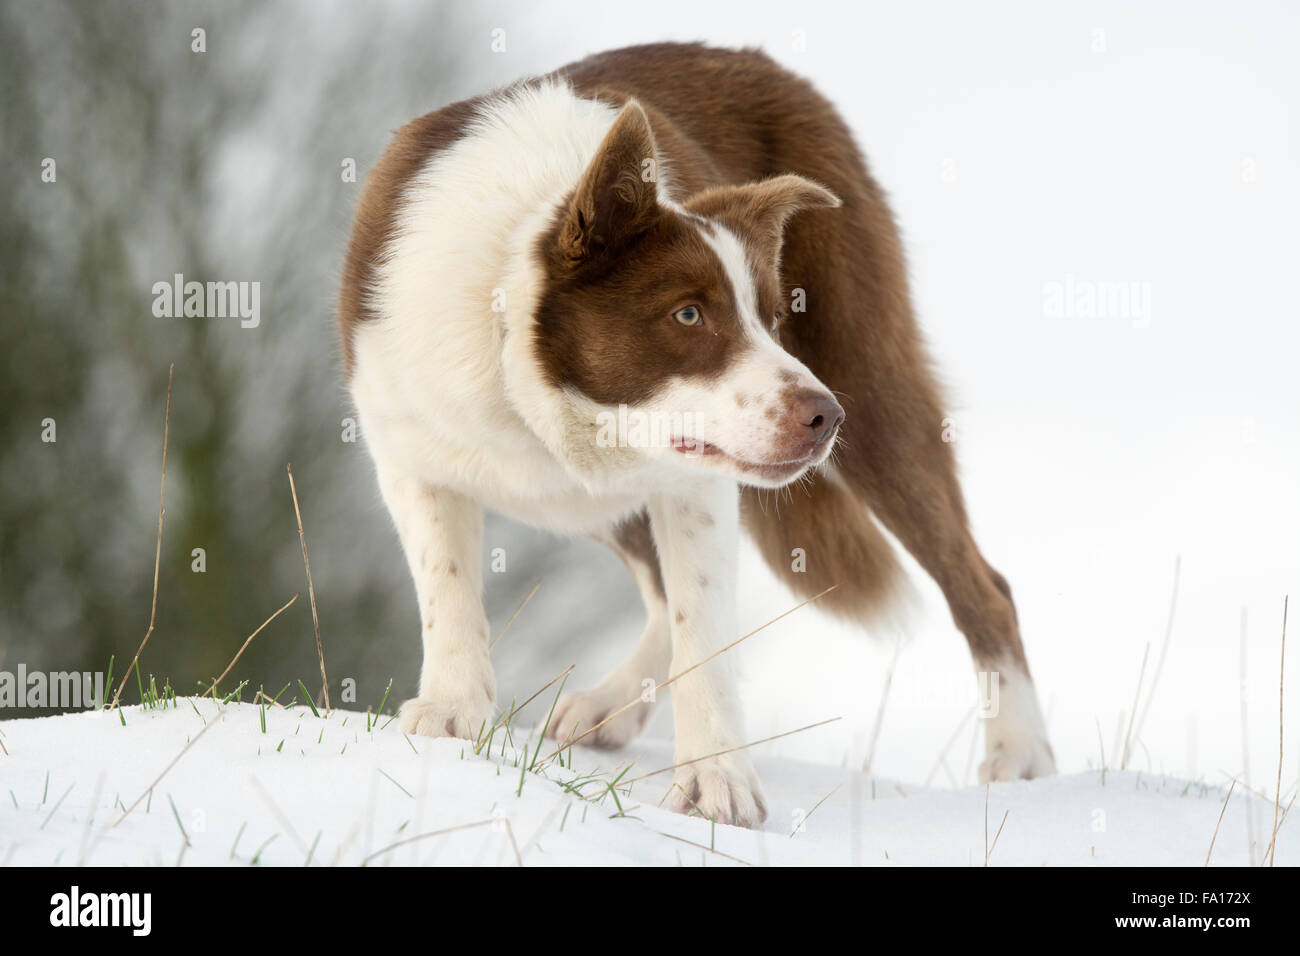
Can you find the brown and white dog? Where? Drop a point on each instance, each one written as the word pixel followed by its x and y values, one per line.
pixel 621 301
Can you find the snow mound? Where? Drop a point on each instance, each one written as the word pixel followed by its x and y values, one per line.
pixel 285 787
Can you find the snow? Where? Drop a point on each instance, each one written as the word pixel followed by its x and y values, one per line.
pixel 330 789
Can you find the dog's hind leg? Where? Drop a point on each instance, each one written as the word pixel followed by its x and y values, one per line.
pixel 636 678
pixel 908 478
pixel 918 498
pixel 858 335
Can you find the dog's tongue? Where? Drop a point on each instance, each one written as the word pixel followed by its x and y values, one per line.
pixel 693 447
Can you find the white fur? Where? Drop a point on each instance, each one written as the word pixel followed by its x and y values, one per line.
pixel 1015 738
pixel 459 417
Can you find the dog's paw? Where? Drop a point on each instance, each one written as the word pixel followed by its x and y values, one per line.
pixel 1015 738
pixel 579 711
pixel 723 789
pixel 443 718
pixel 1020 759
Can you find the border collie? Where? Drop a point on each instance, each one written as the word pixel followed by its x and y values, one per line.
pixel 626 300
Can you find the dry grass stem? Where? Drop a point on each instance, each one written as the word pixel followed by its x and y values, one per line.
pixel 1164 648
pixel 880 711
pixel 157 555
pixel 708 849
pixel 195 739
pixel 437 833
pixel 730 750
pixel 212 690
pixel 1219 823
pixel 522 604
pixel 311 591
pixel 1281 697
pixel 815 806
pixel 1128 736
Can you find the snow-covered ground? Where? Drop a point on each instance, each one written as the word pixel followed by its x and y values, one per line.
pixel 328 790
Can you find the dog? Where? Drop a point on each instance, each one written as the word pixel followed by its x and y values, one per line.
pixel 626 300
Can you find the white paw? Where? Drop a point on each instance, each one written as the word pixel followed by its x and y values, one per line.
pixel 446 717
pixel 1015 739
pixel 722 789
pixel 579 711
pixel 1023 758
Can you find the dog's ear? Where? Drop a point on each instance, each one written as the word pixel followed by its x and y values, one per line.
pixel 616 198
pixel 759 210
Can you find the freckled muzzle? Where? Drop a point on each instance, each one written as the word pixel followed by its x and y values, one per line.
pixel 801 425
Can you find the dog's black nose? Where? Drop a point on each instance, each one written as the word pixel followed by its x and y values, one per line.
pixel 817 414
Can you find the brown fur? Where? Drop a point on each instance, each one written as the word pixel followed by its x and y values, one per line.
pixel 605 319
pixel 376 214
pixel 635 544
pixel 753 120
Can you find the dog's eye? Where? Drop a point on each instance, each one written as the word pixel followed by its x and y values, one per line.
pixel 689 316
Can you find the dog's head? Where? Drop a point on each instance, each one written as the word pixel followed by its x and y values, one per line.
pixel 661 316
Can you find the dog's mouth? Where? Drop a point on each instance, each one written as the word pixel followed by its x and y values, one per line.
pixel 765 470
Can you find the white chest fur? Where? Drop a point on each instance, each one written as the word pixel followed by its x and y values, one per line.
pixel 444 380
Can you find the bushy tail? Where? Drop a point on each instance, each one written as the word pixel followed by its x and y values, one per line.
pixel 818 533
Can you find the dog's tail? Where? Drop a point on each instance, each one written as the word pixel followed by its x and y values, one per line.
pixel 817 533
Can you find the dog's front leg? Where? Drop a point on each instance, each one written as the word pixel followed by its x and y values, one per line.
pixel 442 535
pixel 697 536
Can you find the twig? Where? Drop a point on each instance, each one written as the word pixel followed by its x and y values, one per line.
pixel 213 688
pixel 521 606
pixel 729 750
pixel 1281 823
pixel 1281 686
pixel 1216 825
pixel 464 826
pixel 275 810
pixel 57 805
pixel 90 820
pixel 946 747
pixel 814 809
pixel 989 853
pixel 986 823
pixel 1101 744
pixel 1164 648
pixel 311 591
pixel 157 556
pixel 880 711
pixel 1128 736
pixel 701 846
pixel 632 703
pixel 1245 747
pixel 506 718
